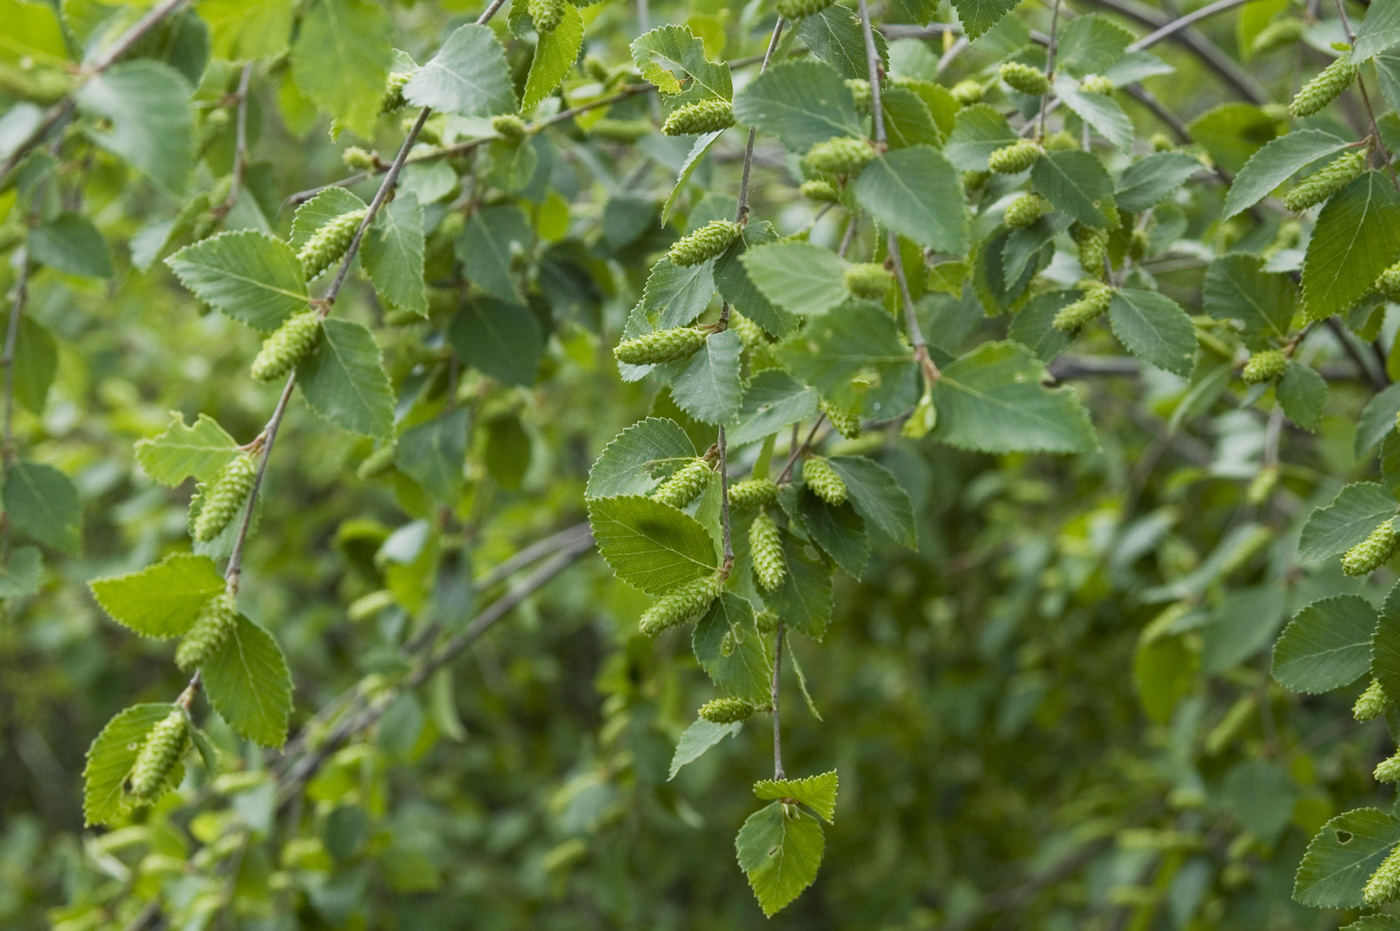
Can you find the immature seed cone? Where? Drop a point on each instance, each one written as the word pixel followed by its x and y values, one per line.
pixel 357 158
pixel 1025 210
pixel 844 155
pixel 1060 141
pixel 1095 84
pixel 328 244
pixel 754 492
pixel 1388 284
pixel 1325 182
pixel 1022 77
pixel 1276 36
pixel 1324 88
pixel 726 710
pixel 684 484
pixel 164 747
pixel 705 243
pixel 1371 703
pixel 1372 552
pixel 377 462
pixel 285 349
pixel 1265 365
pixel 766 544
pixel 796 9
pixel 661 346
pixel 682 606
pixel 1161 142
pixel 761 354
pixel 869 280
pixel 1093 246
pixel 1014 158
pixel 1073 317
pixel 823 192
pixel 968 92
pixel 225 496
pixel 1388 770
pixel 509 127
pixel 393 98
pixel 706 116
pixel 546 14
pixel 860 91
pixel 612 130
pixel 975 180
pixel 216 621
pixel 823 480
pixel 847 423
pixel 1384 884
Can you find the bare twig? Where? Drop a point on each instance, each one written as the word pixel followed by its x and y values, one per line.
pixel 872 64
pixel 778 772
pixel 1051 45
pixel 741 215
pixel 240 146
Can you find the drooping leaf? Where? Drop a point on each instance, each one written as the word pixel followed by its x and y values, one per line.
pixel 247 681
pixel 145 112
pixel 1302 392
pixel 1154 328
pixel 1326 646
pixel 503 340
pixel 1355 512
pixel 111 758
pixel 341 58
pixel 780 853
pixel 1377 420
pixel 1342 857
pixel 706 385
pixel 638 457
pixel 650 545
pixel 816 792
pixel 393 255
pixel 247 275
pixel 878 497
pixel 43 502
pixel 698 738
pixel 1076 183
pixel 978 16
pixel 1238 288
pixel 800 102
pixel 731 651
pixel 433 453
pixel 163 599
pixel 487 246
pixel 1357 236
pixel 70 243
pixel 344 380
pixel 916 193
pixel 1275 163
pixel 555 53
pixel 22 573
pixel 35 360
pixel 248 29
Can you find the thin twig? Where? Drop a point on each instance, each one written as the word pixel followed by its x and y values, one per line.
pixel 240 146
pixel 1051 44
pixel 7 359
pixel 798 450
pixel 1180 23
pixel 872 63
pixel 778 772
pixel 1366 99
pixel 911 319
pixel 741 214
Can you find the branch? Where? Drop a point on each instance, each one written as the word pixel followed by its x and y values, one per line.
pixel 240 147
pixel 778 772
pixel 872 64
pixel 741 215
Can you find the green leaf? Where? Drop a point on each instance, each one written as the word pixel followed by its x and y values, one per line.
pixel 341 60
pixel 698 738
pixel 908 120
pixel 780 854
pixel 1302 393
pixel 1349 519
pixel 638 458
pixel 835 36
pixel 344 380
pixel 1148 181
pixel 979 131
pixel 1378 31
pixel 502 340
pixel 1342 857
pixel 393 255
pixel 843 353
pixel 1377 420
pixel 247 275
pixel 161 600
pixel 839 531
pixel 320 210
pixel 247 681
pixel 1233 132
pixel 145 115
pixel 1238 288
pixel 978 16
pixel 1385 644
pixel 31 30
pixel 800 277
pixel 35 360
pixel 800 102
pixel 1154 328
pixel 773 400
pixel 432 454
pixel 22 574
pixel 1260 794
pixel 692 161
pixel 71 244
pixel 1098 110
pixel 242 30
pixel 816 792
pixel 650 545
pixel 43 502
pixel 1275 163
pixel 486 247
pixel 201 450
pixel 676 294
pixel 1090 44
pixel 1357 237
pixel 916 192
pixel 1075 183
pixel 111 758
pixel 555 54
pixel 878 497
pixel 992 400
pixel 730 650
pixel 707 385
pixel 1326 646
pixel 737 287
pixel 673 58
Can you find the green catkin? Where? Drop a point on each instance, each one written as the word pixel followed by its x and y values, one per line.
pixel 547 14
pixel 1015 158
pixel 1371 704
pixel 1073 317
pixel 975 180
pixel 1138 245
pixel 1093 246
pixel 661 346
pixel 1384 884
pixel 968 92
pixel 684 484
pixel 824 482
pixel 1161 142
pixel 860 90
pixel 682 606
pixel 597 69
pixel 224 497
pixel 761 354
pixel 705 243
pixel 1371 553
pixel 766 545
pixel 869 280
pixel 509 127
pixel 285 349
pixel 823 192
pixel 1060 142
pixel 328 244
pixel 706 116
pixel 1388 284
pixel 1322 184
pixel 726 710
pixel 1096 84
pixel 377 462
pixel 1265 365
pixel 796 9
pixel 211 628
pixel 847 423
pixel 164 747
pixel 1262 485
pixel 1022 77
pixel 843 155
pixel 1388 770
pixel 357 158
pixel 1025 210
pixel 1324 88
pixel 753 492
pixel 1276 36
pixel 393 98
pixel 613 130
